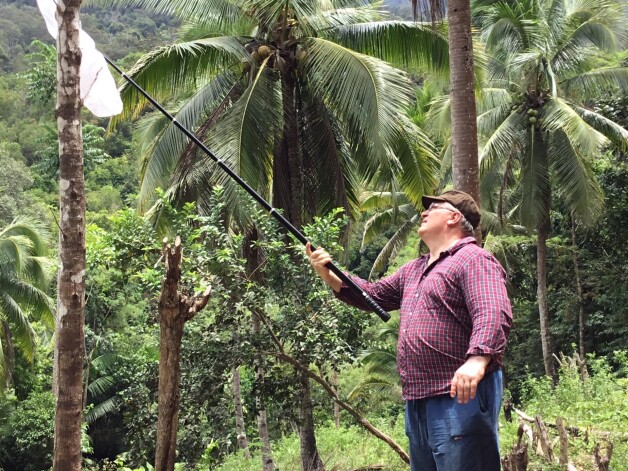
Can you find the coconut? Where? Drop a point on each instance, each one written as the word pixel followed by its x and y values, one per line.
pixel 301 55
pixel 263 51
pixel 255 56
pixel 532 120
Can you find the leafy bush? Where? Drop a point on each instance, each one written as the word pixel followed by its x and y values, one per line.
pixel 28 444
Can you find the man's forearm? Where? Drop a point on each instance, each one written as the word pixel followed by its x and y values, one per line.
pixel 331 279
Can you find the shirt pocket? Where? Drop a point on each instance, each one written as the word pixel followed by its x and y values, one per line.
pixel 434 291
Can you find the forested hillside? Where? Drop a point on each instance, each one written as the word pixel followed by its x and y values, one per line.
pixel 273 343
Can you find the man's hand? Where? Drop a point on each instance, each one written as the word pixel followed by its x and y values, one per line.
pixel 465 382
pixel 318 259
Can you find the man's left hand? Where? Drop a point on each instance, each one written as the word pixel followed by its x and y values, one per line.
pixel 465 381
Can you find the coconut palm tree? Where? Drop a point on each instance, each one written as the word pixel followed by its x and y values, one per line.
pixel 537 135
pixel 285 93
pixel 23 280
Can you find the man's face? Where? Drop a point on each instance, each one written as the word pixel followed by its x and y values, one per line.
pixel 435 218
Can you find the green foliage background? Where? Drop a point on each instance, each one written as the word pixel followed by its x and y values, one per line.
pixel 124 275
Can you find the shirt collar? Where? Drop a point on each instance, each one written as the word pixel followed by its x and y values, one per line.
pixel 454 248
pixel 461 243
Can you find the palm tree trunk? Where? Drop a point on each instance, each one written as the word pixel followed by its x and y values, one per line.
pixel 464 140
pixel 287 165
pixel 541 270
pixel 70 336
pixel 243 443
pixel 581 314
pixel 310 459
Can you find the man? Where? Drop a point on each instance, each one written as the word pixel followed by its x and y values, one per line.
pixel 455 318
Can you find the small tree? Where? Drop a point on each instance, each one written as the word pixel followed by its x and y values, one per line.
pixel 175 309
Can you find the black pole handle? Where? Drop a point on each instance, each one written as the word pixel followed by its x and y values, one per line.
pixel 256 196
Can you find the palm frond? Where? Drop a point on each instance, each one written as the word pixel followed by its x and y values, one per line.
pixel 403 43
pixel 168 143
pixel 587 28
pixel 5 371
pixel 101 386
pixel 383 220
pixel 366 94
pixel 381 362
pixel 394 245
pixel 510 136
pixel 439 117
pixel 29 298
pixel 227 10
pixel 575 178
pixel 108 406
pixel 33 230
pixel 418 159
pixel 559 116
pixel 168 70
pixel 382 386
pixel 375 200
pixel 215 25
pixel 106 362
pixel 491 119
pixel 616 134
pixel 489 98
pixel 594 83
pixel 21 329
pixel 14 251
pixel 243 138
pixel 324 20
pixel 325 152
pixel 491 222
pixel 504 27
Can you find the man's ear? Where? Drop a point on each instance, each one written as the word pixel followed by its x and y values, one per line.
pixel 455 219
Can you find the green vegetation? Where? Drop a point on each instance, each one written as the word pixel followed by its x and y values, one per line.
pixel 552 84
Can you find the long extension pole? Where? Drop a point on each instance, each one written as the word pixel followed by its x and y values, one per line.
pixel 256 196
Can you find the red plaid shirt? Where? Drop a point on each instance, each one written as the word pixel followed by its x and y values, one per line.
pixel 456 307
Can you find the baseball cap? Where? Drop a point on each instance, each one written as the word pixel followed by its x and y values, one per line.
pixel 460 200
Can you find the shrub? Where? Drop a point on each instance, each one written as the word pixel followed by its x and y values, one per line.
pixel 29 443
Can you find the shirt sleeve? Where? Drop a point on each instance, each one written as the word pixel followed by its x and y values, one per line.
pixel 386 292
pixel 489 307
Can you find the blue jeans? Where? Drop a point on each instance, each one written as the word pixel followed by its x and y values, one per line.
pixel 448 436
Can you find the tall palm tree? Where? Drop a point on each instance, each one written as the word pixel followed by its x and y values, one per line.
pixel 24 271
pixel 294 95
pixel 69 351
pixel 536 132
